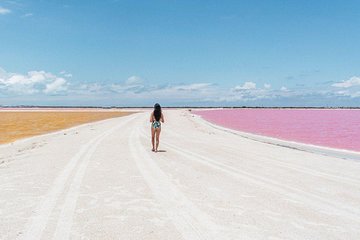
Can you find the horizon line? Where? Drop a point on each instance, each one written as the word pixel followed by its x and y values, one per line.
pixel 226 107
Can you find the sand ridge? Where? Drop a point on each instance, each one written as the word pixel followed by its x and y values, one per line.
pixel 206 183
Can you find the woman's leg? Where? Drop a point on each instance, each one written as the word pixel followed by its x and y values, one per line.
pixel 157 133
pixel 153 138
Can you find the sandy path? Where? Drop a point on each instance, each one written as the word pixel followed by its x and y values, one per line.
pixel 101 181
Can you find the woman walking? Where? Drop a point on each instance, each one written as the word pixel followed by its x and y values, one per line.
pixel 156 119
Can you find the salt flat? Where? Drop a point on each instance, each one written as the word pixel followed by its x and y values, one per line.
pixel 101 181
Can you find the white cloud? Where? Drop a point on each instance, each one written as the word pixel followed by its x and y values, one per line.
pixel 353 81
pixel 66 74
pixel 58 85
pixel 245 86
pixel 136 89
pixel 4 11
pixel 30 83
pixel 284 89
pixel 133 80
pixel 247 92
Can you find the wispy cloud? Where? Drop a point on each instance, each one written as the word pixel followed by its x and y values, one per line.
pixel 191 87
pixel 192 91
pixel 90 88
pixel 4 11
pixel 352 82
pixel 133 84
pixel 66 74
pixel 348 88
pixel 134 80
pixel 138 87
pixel 27 15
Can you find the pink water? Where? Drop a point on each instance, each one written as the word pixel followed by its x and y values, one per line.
pixel 336 128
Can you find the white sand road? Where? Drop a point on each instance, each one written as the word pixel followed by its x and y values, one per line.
pixel 101 181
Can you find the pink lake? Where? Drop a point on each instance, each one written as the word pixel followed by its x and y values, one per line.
pixel 336 128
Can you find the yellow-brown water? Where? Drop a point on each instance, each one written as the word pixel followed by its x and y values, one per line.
pixel 21 124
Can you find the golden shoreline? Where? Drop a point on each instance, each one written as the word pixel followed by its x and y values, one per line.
pixel 22 123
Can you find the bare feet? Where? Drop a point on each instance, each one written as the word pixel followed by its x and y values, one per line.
pixel 153 150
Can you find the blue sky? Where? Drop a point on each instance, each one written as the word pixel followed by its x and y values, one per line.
pixel 200 53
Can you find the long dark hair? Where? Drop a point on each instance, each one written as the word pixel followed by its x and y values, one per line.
pixel 157 112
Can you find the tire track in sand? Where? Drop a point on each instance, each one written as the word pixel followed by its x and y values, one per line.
pixel 310 198
pixel 39 220
pixel 191 222
pixel 65 221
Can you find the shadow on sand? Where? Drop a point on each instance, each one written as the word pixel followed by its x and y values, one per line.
pixel 160 151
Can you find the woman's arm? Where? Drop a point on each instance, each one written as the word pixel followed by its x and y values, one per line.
pixel 152 117
pixel 162 118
